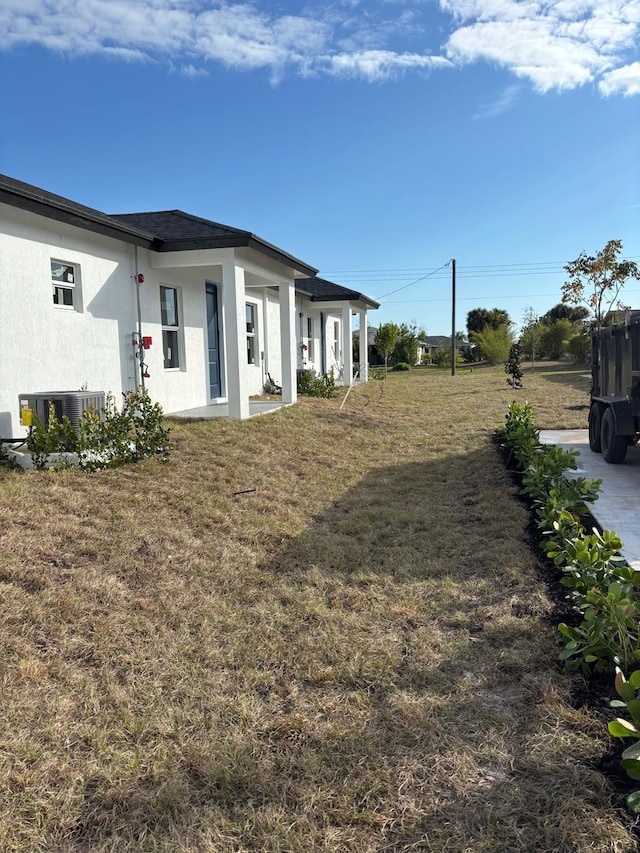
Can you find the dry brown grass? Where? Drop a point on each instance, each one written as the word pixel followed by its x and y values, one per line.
pixel 354 657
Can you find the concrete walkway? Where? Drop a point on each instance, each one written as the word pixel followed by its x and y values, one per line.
pixel 618 506
pixel 221 410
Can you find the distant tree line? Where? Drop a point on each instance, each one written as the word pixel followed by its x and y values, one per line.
pixel 590 298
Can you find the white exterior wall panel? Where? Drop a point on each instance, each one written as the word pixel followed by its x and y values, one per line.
pixel 186 386
pixel 48 348
pixel 273 355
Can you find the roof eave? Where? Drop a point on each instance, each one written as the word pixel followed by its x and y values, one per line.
pixel 351 297
pixel 239 240
pixel 70 216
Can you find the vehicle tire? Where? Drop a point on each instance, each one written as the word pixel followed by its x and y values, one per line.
pixel 595 427
pixel 614 447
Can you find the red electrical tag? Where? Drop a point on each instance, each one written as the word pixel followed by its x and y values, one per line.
pixel 146 342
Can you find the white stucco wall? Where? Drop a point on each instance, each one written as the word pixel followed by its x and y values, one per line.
pixel 188 385
pixel 47 348
pixel 273 355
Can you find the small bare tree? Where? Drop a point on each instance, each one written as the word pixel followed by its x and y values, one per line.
pixel 598 279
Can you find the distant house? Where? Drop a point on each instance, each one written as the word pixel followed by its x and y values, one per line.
pixel 374 359
pixel 199 312
pixel 433 343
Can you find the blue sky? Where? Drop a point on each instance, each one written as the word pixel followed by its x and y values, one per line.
pixel 374 140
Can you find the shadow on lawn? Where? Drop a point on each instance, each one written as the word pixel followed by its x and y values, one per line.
pixel 409 705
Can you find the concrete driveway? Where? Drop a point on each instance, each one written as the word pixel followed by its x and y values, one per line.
pixel 618 506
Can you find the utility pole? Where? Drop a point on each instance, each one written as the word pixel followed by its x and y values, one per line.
pixel 453 316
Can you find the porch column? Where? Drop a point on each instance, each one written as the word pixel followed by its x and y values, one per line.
pixel 235 326
pixel 287 293
pixel 364 346
pixel 347 345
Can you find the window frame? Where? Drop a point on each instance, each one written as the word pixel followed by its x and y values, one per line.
pixel 167 315
pixel 252 336
pixel 65 286
pixel 310 347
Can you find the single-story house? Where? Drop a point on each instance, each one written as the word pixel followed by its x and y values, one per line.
pixel 432 343
pixel 199 313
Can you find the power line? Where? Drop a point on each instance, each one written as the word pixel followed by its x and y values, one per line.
pixel 474 267
pixel 422 278
pixel 501 297
pixel 439 277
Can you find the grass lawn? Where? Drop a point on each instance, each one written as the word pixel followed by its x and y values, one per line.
pixel 356 656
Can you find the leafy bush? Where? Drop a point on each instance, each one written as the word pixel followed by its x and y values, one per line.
pixel 442 357
pixel 494 344
pixel 116 437
pixel 316 385
pixel 520 432
pixel 608 633
pixel 629 692
pixel 602 586
pixel 579 347
pixel 402 365
pixel 57 437
pixel 107 439
pixel 7 461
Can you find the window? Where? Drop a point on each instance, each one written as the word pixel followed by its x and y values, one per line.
pixel 251 333
pixel 309 339
pixel 336 341
pixel 63 279
pixel 170 326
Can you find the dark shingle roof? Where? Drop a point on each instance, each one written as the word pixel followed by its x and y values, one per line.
pixel 162 231
pixel 321 290
pixel 443 341
pixel 179 231
pixel 175 225
pixel 27 197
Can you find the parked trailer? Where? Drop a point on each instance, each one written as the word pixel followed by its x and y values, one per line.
pixel 614 415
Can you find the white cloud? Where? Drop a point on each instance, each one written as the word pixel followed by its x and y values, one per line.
pixel 554 44
pixel 192 71
pixel 500 104
pixel 530 50
pixel 622 81
pixel 558 45
pixel 375 65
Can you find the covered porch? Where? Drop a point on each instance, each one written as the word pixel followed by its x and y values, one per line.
pixel 331 309
pixel 249 333
pixel 221 410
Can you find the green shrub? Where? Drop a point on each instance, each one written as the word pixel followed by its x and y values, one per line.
pixel 608 634
pixel 314 385
pixel 57 437
pixel 629 692
pixel 401 365
pixel 442 357
pixel 115 437
pixel 602 586
pixel 7 461
pixel 106 439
